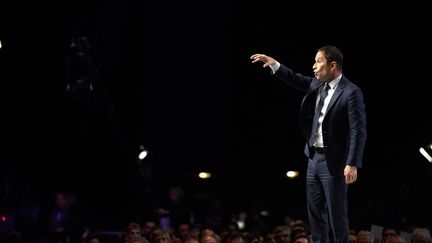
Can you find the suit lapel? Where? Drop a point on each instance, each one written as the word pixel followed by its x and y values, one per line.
pixel 336 94
pixel 314 86
pixel 311 91
pixel 308 102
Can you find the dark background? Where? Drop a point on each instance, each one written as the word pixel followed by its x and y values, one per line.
pixel 176 77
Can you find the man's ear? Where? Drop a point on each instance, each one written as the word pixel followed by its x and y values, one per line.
pixel 334 64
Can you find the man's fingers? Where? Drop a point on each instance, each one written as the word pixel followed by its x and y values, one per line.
pixel 255 56
pixel 350 178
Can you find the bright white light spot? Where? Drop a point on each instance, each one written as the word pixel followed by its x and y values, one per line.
pixel 241 224
pixel 426 154
pixel 204 175
pixel 292 174
pixel 143 154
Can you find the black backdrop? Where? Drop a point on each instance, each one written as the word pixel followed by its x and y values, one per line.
pixel 177 78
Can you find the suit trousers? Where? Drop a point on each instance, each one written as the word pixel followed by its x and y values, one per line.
pixel 327 204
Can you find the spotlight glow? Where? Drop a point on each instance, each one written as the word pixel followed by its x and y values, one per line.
pixel 292 174
pixel 426 154
pixel 143 154
pixel 204 175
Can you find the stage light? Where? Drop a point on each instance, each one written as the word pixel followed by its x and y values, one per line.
pixel 143 152
pixel 426 151
pixel 292 174
pixel 204 175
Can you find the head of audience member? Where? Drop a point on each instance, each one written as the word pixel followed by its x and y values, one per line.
pixel 352 236
pixel 364 236
pixel 298 224
pixel 182 231
pixel 235 237
pixel 254 237
pixel 138 240
pixel 302 239
pixel 421 235
pixel 389 232
pixel 176 194
pixel 395 239
pixel 191 239
pixel 208 239
pixel 269 238
pixel 133 230
pixel 160 236
pixel 299 235
pixel 282 234
pixel 147 227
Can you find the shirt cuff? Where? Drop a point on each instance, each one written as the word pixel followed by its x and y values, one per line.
pixel 275 67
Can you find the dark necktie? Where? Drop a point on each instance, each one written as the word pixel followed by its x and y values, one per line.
pixel 318 109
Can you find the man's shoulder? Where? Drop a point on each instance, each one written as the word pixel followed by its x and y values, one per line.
pixel 348 84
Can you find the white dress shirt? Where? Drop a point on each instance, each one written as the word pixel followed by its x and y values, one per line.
pixel 333 85
pixel 318 142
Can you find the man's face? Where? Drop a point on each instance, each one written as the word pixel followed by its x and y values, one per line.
pixel 322 69
pixel 132 233
pixel 282 237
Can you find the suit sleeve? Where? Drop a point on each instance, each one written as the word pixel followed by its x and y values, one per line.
pixel 357 123
pixel 293 79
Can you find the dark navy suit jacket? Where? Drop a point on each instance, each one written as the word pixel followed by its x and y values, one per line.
pixel 344 125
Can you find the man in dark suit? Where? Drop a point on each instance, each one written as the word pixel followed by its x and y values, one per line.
pixel 333 122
